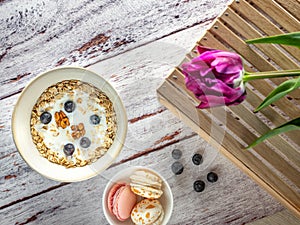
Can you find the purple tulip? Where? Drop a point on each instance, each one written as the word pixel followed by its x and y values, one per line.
pixel 215 78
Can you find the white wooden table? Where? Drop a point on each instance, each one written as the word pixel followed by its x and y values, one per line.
pixel 134 45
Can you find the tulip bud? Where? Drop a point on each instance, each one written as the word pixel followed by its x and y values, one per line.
pixel 215 77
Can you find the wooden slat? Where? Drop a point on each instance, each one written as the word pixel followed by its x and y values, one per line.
pixel 272 115
pixel 239 45
pixel 246 30
pixel 275 163
pixel 293 6
pixel 284 147
pixel 260 21
pixel 278 14
pixel 280 218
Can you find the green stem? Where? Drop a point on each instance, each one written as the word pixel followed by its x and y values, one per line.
pixel 270 74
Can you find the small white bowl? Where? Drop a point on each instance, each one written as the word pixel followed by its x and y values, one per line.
pixel 21 125
pixel 166 199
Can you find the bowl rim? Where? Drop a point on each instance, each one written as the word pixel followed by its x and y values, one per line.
pixel 109 185
pixel 26 89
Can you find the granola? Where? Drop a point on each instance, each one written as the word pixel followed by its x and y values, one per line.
pixel 73 123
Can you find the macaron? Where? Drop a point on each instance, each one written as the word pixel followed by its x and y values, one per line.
pixel 146 184
pixel 121 201
pixel 147 212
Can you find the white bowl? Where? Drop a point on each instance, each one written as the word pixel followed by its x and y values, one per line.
pixel 166 199
pixel 21 125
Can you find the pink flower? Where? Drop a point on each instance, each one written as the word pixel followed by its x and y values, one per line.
pixel 215 78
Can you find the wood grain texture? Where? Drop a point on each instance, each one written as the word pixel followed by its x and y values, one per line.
pixel 262 22
pixel 283 217
pixel 41 201
pixel 36 36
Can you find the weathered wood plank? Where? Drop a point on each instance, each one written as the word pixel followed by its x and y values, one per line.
pixel 147 117
pixel 36 36
pixel 30 198
pixel 216 205
pixel 143 136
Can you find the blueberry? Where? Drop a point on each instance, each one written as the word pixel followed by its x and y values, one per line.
pixel 197 159
pixel 212 177
pixel 69 106
pixel 177 168
pixel 199 186
pixel 176 154
pixel 69 149
pixel 85 142
pixel 45 117
pixel 94 119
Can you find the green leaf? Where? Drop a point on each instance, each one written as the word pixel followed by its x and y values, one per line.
pixel 289 126
pixel 282 90
pixel 284 39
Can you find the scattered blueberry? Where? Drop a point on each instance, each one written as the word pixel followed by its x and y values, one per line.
pixel 197 159
pixel 199 186
pixel 69 149
pixel 85 142
pixel 177 168
pixel 212 177
pixel 69 106
pixel 46 117
pixel 94 119
pixel 176 154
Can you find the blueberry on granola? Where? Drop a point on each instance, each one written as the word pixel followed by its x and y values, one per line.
pixel 69 106
pixel 94 119
pixel 46 117
pixel 69 149
pixel 85 142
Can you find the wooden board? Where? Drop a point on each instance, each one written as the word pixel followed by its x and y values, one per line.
pixel 274 164
pixel 283 217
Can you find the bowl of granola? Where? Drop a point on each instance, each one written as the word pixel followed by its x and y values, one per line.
pixel 69 124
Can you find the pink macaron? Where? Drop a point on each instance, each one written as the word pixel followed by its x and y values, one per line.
pixel 121 201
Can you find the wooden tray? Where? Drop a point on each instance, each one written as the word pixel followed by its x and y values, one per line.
pixel 274 164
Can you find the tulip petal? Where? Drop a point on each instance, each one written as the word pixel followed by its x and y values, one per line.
pixel 201 49
pixel 227 65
